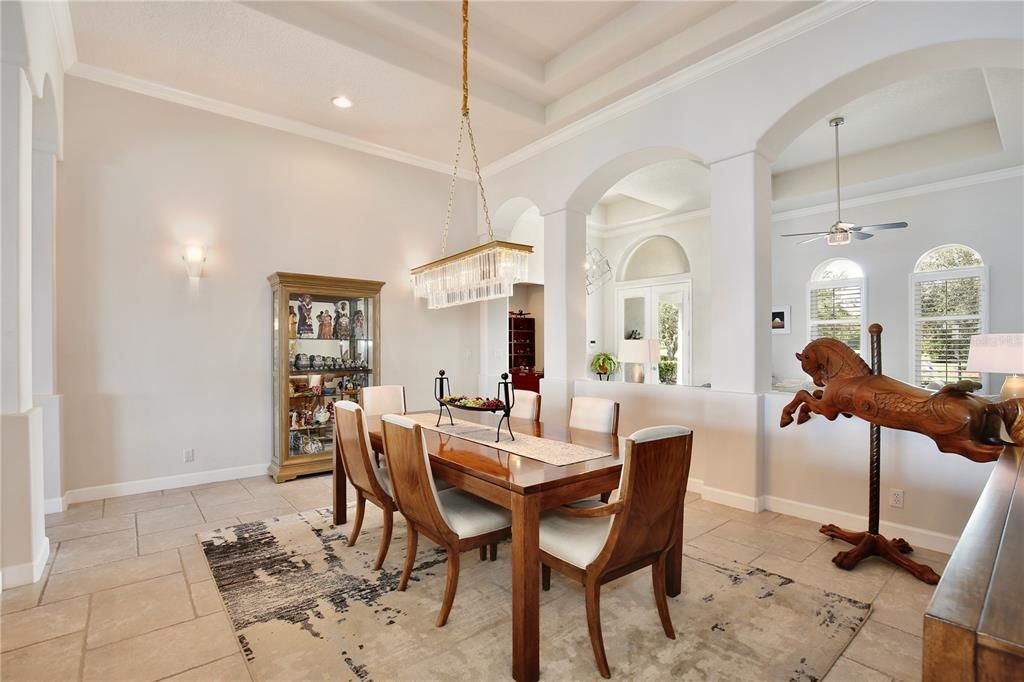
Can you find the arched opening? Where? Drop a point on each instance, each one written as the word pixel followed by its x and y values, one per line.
pixel 648 231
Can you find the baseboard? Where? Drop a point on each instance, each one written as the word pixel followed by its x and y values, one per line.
pixel 149 485
pixel 28 572
pixel 695 485
pixel 731 499
pixel 928 539
pixel 55 505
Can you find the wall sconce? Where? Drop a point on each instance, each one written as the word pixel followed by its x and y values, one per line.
pixel 194 257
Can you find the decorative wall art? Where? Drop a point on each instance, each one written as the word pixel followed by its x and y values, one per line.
pixel 781 315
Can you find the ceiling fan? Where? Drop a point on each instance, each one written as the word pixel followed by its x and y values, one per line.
pixel 843 233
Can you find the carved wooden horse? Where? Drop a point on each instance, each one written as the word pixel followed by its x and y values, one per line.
pixel 957 421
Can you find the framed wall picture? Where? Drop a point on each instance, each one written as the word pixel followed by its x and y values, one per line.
pixel 781 319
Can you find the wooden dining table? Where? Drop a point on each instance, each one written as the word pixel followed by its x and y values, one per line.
pixel 527 487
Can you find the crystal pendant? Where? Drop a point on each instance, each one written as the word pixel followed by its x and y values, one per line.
pixel 478 274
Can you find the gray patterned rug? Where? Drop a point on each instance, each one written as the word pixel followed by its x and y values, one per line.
pixel 306 607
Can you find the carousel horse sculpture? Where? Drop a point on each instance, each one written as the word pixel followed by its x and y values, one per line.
pixel 957 421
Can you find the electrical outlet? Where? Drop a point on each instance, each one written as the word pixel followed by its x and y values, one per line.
pixel 896 498
pixel 188 455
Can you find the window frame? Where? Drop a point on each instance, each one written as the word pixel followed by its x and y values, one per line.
pixel 980 271
pixel 859 282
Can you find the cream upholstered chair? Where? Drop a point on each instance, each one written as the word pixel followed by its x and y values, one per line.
pixel 598 544
pixel 378 400
pixel 594 414
pixel 452 518
pixel 370 480
pixel 526 405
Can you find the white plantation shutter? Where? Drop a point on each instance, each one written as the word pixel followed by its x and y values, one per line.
pixel 948 306
pixel 836 311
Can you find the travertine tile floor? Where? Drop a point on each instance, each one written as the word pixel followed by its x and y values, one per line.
pixel 127 594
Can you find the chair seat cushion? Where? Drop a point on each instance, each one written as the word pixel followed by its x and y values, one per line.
pixel 470 516
pixel 573 540
pixel 384 478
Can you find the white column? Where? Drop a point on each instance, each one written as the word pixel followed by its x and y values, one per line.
pixel 741 285
pixel 22 528
pixel 44 297
pixel 740 330
pixel 565 310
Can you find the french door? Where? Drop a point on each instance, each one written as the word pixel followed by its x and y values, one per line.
pixel 659 311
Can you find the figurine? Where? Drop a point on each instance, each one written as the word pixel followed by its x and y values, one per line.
pixel 359 324
pixel 293 323
pixel 326 327
pixel 305 322
pixel 342 323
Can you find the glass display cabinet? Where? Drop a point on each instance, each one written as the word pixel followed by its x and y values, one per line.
pixel 326 346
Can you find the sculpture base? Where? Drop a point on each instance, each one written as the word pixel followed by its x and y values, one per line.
pixel 871 544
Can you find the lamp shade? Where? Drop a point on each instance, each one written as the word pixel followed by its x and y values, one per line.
pixel 999 353
pixel 642 351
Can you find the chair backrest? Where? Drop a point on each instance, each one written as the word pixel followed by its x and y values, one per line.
pixel 526 405
pixel 652 491
pixel 353 448
pixel 411 481
pixel 377 400
pixel 594 414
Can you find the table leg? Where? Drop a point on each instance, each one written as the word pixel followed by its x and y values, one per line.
pixel 525 588
pixel 340 493
pixel 674 565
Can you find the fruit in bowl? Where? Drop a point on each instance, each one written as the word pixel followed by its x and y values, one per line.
pixel 478 402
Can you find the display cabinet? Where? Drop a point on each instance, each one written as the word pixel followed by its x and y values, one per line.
pixel 326 346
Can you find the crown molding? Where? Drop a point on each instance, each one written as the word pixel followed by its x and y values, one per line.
pixel 168 94
pixel 651 222
pixel 916 190
pixel 779 33
pixel 61 13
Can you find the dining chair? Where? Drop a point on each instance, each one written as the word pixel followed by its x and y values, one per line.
pixel 594 414
pixel 525 405
pixel 370 481
pixel 452 518
pixel 596 545
pixel 378 400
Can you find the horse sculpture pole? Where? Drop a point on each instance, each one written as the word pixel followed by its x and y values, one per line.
pixel 875 475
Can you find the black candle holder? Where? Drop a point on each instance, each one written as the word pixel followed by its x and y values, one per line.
pixel 442 388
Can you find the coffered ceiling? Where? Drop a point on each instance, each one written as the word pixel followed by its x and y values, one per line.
pixel 535 66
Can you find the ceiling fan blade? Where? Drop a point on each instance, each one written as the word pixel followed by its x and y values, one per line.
pixel 861 235
pixel 881 226
pixel 813 239
pixel 804 234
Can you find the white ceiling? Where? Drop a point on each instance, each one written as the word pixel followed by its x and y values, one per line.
pixel 534 66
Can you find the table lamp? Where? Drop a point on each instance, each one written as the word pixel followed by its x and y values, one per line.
pixel 640 353
pixel 1002 354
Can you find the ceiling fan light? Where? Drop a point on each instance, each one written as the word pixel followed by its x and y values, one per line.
pixel 838 238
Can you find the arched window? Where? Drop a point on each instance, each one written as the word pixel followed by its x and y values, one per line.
pixel 836 300
pixel 949 305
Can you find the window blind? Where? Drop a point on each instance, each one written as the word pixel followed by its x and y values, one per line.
pixel 836 311
pixel 948 309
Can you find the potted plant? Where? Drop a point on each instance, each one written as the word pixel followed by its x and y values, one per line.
pixel 603 364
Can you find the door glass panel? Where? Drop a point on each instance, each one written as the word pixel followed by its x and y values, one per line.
pixel 634 326
pixel 670 329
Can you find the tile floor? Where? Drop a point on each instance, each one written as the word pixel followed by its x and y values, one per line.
pixel 127 594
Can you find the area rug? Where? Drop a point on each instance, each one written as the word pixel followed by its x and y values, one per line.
pixel 306 607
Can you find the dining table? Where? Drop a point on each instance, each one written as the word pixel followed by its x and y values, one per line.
pixel 527 487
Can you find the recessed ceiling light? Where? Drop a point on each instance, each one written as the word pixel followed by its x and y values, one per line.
pixel 342 102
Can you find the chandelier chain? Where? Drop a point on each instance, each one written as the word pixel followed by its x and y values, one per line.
pixel 464 126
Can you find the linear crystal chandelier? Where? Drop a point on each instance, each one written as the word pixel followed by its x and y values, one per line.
pixel 482 272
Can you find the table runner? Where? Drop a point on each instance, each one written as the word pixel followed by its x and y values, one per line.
pixel 541 449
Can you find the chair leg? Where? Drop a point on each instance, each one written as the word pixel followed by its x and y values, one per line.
pixel 385 540
pixel 545 577
pixel 410 556
pixel 483 552
pixel 494 551
pixel 593 591
pixel 660 595
pixel 357 525
pixel 449 587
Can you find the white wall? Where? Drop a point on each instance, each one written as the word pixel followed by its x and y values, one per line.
pixel 148 365
pixel 987 217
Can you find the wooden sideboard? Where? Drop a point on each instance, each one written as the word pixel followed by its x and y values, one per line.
pixel 974 625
